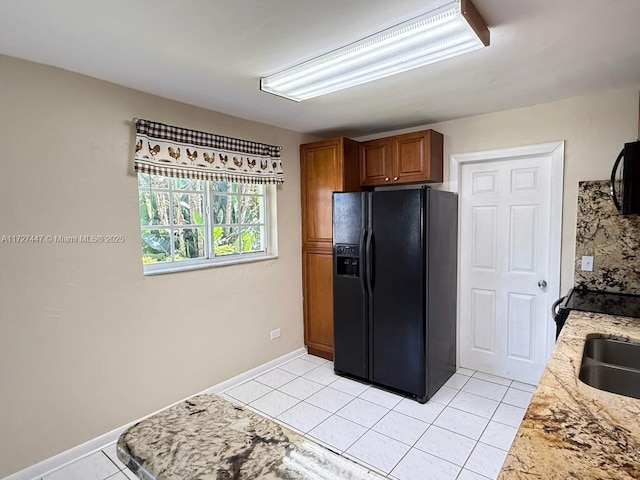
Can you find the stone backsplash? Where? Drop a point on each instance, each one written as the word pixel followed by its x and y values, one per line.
pixel 612 239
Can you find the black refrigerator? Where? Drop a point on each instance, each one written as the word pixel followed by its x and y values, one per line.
pixel 394 288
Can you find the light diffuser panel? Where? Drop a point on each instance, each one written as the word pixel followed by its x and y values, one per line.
pixel 450 30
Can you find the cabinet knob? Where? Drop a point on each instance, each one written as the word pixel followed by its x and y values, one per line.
pixel 386 179
pixel 395 178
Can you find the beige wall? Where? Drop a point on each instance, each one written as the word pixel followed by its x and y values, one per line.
pixel 593 127
pixel 87 343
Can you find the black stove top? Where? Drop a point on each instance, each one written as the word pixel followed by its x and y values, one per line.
pixel 596 301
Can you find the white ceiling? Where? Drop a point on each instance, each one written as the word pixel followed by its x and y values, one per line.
pixel 211 53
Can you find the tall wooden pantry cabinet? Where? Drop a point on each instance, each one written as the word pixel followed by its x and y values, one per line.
pixel 325 167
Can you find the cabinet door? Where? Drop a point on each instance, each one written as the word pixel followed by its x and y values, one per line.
pixel 375 162
pixel 321 169
pixel 317 268
pixel 417 157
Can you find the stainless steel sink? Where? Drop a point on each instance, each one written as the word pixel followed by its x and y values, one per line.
pixel 611 365
pixel 612 379
pixel 613 352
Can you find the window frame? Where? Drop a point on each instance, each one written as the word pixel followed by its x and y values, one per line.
pixel 212 260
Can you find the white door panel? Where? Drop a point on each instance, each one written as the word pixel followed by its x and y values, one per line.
pixel 521 325
pixel 505 207
pixel 484 238
pixel 523 221
pixel 483 316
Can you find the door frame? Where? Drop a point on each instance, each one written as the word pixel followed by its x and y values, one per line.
pixel 556 151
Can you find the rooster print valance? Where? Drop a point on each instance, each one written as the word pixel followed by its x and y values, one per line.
pixel 179 152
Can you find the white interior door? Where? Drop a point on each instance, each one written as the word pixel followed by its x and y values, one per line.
pixel 508 276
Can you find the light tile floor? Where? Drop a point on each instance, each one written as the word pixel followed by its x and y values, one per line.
pixel 462 433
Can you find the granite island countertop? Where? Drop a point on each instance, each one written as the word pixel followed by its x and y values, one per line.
pixel 572 430
pixel 207 437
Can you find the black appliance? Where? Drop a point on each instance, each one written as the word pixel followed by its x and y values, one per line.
pixel 394 288
pixel 596 301
pixel 625 180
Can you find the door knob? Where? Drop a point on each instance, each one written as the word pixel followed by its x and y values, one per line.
pixel 386 179
pixel 395 178
pixel 542 283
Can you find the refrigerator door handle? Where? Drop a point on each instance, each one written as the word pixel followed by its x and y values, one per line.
pixel 363 267
pixel 369 255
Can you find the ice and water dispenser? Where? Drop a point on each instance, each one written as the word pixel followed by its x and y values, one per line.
pixel 347 260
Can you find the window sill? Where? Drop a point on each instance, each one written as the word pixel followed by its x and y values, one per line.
pixel 218 263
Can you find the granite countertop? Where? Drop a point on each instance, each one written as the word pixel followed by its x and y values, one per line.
pixel 572 430
pixel 207 437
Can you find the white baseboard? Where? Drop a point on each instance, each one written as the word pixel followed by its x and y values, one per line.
pixel 60 460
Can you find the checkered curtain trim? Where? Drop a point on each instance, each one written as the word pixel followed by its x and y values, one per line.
pixel 178 152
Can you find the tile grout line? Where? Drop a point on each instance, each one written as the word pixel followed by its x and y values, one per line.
pixel 297 377
pixel 462 467
pixel 255 378
pixel 355 459
pixel 485 428
pixel 411 447
pixel 478 441
pixel 111 461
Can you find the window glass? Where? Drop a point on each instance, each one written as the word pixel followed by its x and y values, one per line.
pixel 196 221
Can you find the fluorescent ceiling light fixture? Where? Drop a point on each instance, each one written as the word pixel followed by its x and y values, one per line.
pixel 445 32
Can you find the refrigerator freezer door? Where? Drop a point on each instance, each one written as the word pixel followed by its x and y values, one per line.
pixel 398 281
pixel 350 329
pixel 442 252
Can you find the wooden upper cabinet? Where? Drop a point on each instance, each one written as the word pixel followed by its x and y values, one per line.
pixel 375 162
pixel 325 167
pixel 418 157
pixel 410 158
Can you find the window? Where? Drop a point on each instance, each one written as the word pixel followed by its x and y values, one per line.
pixel 204 199
pixel 189 223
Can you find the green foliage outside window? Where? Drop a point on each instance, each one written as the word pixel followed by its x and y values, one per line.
pixel 174 218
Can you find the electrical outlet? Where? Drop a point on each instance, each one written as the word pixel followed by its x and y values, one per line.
pixel 587 263
pixel 275 333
